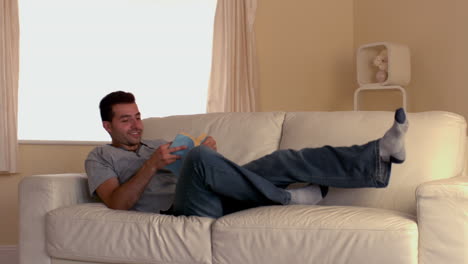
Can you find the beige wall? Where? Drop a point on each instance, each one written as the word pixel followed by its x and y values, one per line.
pixel 34 159
pixel 306 54
pixel 436 33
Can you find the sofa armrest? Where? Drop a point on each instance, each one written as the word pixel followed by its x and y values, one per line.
pixel 38 195
pixel 442 208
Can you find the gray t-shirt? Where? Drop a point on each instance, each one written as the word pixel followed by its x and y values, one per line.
pixel 105 162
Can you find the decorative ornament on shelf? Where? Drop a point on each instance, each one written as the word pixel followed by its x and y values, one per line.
pixel 381 61
pixel 382 66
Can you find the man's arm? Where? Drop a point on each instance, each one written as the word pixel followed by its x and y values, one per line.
pixel 124 196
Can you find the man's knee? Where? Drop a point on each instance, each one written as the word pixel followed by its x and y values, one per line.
pixel 200 153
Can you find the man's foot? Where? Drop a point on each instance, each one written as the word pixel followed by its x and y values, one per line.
pixel 311 194
pixel 392 144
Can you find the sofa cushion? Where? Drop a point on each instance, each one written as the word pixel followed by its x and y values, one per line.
pixel 92 232
pixel 435 147
pixel 241 137
pixel 306 234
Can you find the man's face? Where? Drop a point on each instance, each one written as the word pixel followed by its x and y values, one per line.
pixel 126 127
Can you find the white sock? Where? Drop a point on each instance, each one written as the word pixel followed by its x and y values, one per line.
pixel 392 144
pixel 305 195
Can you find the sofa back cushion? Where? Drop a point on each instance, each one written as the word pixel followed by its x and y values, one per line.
pixel 435 149
pixel 241 137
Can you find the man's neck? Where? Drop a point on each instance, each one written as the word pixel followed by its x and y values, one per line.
pixel 133 148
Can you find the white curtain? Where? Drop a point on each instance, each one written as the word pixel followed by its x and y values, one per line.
pixel 9 70
pixel 233 80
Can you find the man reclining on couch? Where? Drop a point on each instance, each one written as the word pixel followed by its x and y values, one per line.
pixel 130 174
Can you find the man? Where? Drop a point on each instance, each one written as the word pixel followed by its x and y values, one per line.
pixel 129 173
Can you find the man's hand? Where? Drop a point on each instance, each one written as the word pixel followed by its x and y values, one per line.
pixel 210 142
pixel 163 155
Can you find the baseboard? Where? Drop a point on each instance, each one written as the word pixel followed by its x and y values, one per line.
pixel 8 254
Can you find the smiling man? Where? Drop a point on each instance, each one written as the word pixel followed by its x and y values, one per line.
pixel 127 128
pixel 129 173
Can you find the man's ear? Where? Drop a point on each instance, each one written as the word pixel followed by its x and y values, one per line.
pixel 107 126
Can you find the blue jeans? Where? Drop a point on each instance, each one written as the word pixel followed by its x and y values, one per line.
pixel 211 185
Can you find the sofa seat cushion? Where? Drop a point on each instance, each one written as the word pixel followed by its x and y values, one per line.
pixel 92 232
pixel 319 234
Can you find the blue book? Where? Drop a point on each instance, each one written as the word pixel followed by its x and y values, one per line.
pixel 183 139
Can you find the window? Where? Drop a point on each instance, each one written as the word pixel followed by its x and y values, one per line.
pixel 74 52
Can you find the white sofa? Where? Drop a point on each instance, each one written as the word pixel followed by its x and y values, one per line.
pixel 421 217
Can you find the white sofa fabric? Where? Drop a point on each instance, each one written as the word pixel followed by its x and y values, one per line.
pixel 421 217
pixel 315 234
pixel 128 237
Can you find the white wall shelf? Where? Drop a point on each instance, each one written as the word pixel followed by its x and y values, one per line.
pixel 378 87
pixel 398 72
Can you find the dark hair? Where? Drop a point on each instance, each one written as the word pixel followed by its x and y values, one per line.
pixel 112 99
